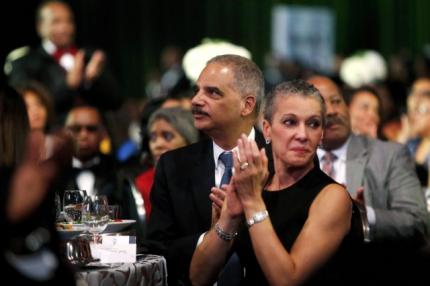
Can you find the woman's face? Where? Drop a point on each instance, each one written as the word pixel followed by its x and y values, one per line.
pixel 163 137
pixel 364 114
pixel 419 115
pixel 37 112
pixel 295 130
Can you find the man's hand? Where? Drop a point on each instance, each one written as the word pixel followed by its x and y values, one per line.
pixel 95 66
pixel 75 75
pixel 359 195
pixel 217 197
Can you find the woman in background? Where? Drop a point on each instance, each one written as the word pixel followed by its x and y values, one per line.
pixel 364 106
pixel 40 113
pixel 168 129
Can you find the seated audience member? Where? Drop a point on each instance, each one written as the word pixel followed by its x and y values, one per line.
pixel 381 176
pixel 168 129
pixel 287 228
pixel 72 75
pixel 39 106
pixel 364 108
pixel 92 171
pixel 30 253
pixel 408 132
pixel 40 113
pixel 226 103
pixel 418 125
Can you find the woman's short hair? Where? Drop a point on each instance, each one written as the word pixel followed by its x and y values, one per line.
pixel 293 87
pixel 180 119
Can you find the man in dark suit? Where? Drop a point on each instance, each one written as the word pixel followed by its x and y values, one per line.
pixel 226 103
pixel 382 177
pixel 70 74
pixel 91 170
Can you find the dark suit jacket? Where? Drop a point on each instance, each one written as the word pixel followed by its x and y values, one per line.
pixel 181 208
pixel 40 66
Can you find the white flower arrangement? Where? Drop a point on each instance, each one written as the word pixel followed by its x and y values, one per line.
pixel 196 58
pixel 363 68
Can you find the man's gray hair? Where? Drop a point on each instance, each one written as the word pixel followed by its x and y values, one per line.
pixel 248 77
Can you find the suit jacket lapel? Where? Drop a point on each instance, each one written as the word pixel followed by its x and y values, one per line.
pixel 356 158
pixel 203 179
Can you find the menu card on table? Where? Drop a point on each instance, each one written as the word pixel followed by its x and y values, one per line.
pixel 115 249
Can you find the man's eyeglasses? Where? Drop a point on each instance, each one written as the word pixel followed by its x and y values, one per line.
pixel 78 128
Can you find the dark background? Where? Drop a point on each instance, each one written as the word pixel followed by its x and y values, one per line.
pixel 133 32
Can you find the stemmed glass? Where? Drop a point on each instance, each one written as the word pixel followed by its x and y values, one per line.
pixel 95 215
pixel 72 204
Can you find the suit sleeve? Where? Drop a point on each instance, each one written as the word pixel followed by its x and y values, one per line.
pixel 405 218
pixel 164 236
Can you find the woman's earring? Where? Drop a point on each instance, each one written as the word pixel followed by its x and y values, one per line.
pixel 267 140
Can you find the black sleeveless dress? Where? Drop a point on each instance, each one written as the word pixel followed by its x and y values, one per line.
pixel 288 210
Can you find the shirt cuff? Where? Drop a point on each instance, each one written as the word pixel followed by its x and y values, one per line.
pixel 200 238
pixel 371 218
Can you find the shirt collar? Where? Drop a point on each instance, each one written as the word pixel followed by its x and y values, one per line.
pixel 78 164
pixel 49 47
pixel 340 152
pixel 218 150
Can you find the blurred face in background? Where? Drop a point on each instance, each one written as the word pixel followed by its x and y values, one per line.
pixel 163 137
pixel 56 24
pixel 37 112
pixel 419 115
pixel 85 126
pixel 364 114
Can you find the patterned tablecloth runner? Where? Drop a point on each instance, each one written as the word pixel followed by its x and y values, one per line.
pixel 149 270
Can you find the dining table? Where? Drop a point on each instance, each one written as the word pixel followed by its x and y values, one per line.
pixel 148 270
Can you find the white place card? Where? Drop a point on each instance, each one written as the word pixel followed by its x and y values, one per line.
pixel 115 249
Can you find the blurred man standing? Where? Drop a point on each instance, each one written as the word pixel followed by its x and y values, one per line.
pixel 72 75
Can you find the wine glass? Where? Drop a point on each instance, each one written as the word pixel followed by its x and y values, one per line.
pixel 57 203
pixel 72 204
pixel 95 214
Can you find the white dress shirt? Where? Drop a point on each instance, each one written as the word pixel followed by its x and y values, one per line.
pixel 219 165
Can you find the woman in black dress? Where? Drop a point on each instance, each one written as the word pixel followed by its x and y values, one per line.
pixel 286 227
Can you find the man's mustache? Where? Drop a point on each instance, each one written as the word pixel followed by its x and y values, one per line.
pixel 196 110
pixel 331 120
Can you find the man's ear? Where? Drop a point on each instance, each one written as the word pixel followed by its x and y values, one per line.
pixel 248 105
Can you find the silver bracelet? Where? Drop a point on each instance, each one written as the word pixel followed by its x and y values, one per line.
pixel 257 217
pixel 226 236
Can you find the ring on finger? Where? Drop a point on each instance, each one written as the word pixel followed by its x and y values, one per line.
pixel 244 165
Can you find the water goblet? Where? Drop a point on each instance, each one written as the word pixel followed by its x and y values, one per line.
pixel 72 204
pixel 95 215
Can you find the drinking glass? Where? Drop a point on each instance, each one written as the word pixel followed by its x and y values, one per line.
pixel 57 202
pixel 95 215
pixel 113 212
pixel 72 204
